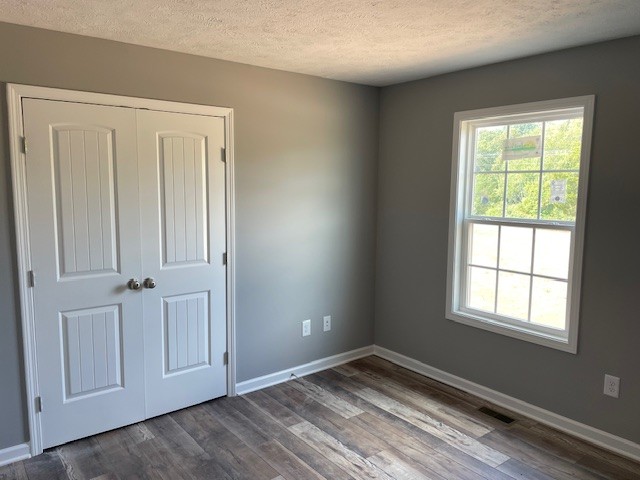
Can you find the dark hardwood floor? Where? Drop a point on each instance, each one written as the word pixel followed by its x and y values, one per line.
pixel 367 419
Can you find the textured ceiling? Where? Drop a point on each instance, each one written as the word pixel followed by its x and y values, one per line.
pixel 375 42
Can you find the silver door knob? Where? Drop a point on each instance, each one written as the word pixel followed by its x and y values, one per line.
pixel 149 283
pixel 134 284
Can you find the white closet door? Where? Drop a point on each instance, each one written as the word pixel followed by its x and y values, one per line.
pixel 182 187
pixel 82 186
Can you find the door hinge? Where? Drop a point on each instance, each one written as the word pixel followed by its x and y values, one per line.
pixel 31 278
pixel 38 404
pixel 224 155
pixel 225 358
pixel 24 144
pixel 224 258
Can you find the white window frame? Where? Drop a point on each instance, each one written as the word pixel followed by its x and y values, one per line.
pixel 464 124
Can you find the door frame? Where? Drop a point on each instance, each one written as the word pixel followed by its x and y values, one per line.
pixel 15 94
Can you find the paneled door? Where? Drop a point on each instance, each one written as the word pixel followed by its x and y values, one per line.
pixel 82 186
pixel 127 226
pixel 182 186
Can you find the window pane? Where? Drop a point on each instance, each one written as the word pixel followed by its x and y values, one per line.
pixel 515 248
pixel 483 240
pixel 488 194
pixel 524 130
pixel 551 257
pixel 559 196
pixel 522 195
pixel 489 142
pixel 519 164
pixel 482 289
pixel 513 295
pixel 549 302
pixel 562 142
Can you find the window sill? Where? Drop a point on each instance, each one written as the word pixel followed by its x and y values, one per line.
pixel 532 336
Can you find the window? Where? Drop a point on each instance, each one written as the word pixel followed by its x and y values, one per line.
pixel 518 199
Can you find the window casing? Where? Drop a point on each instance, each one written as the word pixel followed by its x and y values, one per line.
pixel 518 200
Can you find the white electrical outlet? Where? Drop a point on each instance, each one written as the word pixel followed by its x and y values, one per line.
pixel 326 323
pixel 611 386
pixel 306 328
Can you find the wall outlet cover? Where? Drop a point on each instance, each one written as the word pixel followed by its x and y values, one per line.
pixel 306 328
pixel 611 386
pixel 326 323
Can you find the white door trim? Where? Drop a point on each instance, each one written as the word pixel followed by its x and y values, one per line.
pixel 15 94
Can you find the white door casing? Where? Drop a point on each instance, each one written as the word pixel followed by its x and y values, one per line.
pixel 182 174
pixel 95 380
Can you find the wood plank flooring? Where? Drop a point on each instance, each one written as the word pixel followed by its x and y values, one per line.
pixel 368 419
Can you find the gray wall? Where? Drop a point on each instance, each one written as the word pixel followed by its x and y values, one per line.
pixel 416 125
pixel 306 159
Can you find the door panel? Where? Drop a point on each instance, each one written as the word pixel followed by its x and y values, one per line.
pixel 183 198
pixel 84 166
pixel 91 350
pixel 187 332
pixel 182 184
pixel 82 189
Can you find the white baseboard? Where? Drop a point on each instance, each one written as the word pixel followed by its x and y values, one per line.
pixel 593 435
pixel 301 370
pixel 14 454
